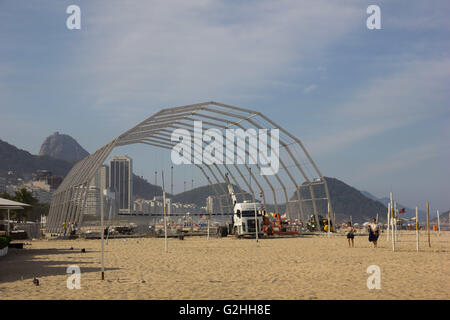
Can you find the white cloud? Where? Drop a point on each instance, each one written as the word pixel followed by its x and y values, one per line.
pixel 310 88
pixel 183 52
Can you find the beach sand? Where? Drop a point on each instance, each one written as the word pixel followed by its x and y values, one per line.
pixel 227 268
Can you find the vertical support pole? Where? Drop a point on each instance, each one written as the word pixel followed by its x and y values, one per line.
pixel 439 222
pixel 329 226
pixel 109 225
pixel 165 222
pixel 256 219
pixel 417 229
pixel 396 221
pixel 428 224
pixel 392 221
pixel 9 230
pixel 316 217
pixel 102 222
pixel 171 180
pixel 388 220
pixel 209 217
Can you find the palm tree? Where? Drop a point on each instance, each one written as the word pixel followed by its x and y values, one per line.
pixel 24 196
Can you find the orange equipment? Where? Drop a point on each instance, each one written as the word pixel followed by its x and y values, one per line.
pixel 276 225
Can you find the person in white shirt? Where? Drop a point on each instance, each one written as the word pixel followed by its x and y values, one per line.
pixel 374 232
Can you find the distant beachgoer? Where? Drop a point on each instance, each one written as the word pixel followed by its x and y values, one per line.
pixel 64 228
pixel 374 232
pixel 350 234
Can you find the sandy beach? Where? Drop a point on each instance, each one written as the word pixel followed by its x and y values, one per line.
pixel 228 268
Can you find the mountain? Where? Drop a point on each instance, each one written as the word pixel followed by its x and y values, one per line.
pixel 145 190
pixel 409 212
pixel 345 200
pixel 23 163
pixel 370 196
pixel 198 195
pixel 443 217
pixel 62 146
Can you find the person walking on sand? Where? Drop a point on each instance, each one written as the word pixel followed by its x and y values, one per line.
pixel 64 228
pixel 374 232
pixel 350 234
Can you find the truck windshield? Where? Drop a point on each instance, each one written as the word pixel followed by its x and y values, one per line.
pixel 250 213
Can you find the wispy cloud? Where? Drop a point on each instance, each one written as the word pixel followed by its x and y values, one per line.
pixel 310 88
pixel 418 92
pixel 401 160
pixel 177 51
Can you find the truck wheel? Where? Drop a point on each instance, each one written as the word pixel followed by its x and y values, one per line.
pixel 224 231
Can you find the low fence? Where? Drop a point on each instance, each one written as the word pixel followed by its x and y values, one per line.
pixel 33 230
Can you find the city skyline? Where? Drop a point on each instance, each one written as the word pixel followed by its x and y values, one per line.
pixel 371 106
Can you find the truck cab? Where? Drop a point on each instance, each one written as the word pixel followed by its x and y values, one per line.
pixel 244 219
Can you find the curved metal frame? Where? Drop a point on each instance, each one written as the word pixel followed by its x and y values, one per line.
pixel 70 198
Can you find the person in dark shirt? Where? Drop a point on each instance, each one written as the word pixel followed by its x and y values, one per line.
pixel 350 234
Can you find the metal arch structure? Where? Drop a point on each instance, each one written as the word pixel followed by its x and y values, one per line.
pixel 296 185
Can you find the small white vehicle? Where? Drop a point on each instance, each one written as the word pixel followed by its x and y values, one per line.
pixel 244 214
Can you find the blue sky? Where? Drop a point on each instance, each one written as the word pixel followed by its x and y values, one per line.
pixel 371 106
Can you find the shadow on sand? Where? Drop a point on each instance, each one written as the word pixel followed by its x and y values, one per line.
pixel 26 264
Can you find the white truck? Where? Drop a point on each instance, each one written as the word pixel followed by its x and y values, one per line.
pixel 244 216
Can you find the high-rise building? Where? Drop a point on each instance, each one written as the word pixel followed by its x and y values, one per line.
pixel 121 182
pixel 94 201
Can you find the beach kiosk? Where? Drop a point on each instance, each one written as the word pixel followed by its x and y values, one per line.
pixel 11 205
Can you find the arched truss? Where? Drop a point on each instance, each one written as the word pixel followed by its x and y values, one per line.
pixel 298 186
